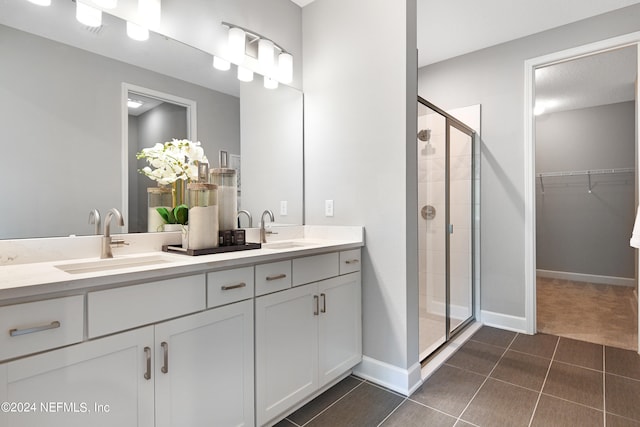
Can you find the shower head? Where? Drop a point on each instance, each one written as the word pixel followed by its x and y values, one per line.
pixel 424 135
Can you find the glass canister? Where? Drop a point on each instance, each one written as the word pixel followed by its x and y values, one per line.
pixel 203 216
pixel 227 183
pixel 157 197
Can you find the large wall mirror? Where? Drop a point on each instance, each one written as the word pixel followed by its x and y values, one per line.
pixel 61 88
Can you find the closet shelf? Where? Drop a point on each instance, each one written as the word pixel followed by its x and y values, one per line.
pixel 578 173
pixel 586 172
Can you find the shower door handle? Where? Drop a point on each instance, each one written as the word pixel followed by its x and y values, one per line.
pixel 450 228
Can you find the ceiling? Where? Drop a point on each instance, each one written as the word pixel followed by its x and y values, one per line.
pixel 494 21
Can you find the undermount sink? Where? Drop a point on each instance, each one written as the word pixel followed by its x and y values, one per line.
pixel 285 245
pixel 111 264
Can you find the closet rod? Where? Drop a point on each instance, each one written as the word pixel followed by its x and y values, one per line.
pixel 586 172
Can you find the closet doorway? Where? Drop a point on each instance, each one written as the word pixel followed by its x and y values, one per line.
pixel 447 186
pixel 585 197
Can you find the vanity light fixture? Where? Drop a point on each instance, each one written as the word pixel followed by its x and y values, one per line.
pixel 41 2
pixel 137 32
pixel 236 44
pixel 87 15
pixel 244 74
pixel 221 64
pixel 243 43
pixel 285 67
pixel 266 50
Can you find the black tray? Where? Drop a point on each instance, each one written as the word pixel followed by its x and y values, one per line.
pixel 209 251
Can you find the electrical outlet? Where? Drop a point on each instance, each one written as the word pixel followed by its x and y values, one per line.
pixel 328 208
pixel 283 207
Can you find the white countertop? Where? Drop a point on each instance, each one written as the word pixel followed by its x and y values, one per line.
pixel 18 281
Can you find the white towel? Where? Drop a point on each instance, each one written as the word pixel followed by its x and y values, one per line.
pixel 635 237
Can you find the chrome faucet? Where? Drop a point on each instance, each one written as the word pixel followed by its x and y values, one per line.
pixel 106 238
pixel 263 233
pixel 248 214
pixel 94 218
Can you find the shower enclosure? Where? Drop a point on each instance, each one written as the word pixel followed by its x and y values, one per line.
pixel 446 183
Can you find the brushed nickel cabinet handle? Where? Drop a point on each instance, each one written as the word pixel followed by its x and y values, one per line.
pixel 17 332
pixel 324 303
pixel 147 353
pixel 236 286
pixel 352 261
pixel 276 277
pixel 165 351
pixel 316 304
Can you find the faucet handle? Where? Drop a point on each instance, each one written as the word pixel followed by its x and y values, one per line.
pixel 118 243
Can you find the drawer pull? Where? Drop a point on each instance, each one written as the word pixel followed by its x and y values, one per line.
pixel 236 286
pixel 316 303
pixel 276 277
pixel 17 332
pixel 352 261
pixel 324 303
pixel 147 354
pixel 165 352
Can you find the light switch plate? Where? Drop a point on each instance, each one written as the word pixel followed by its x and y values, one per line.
pixel 328 208
pixel 283 208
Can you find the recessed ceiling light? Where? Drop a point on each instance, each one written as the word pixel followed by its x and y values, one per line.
pixel 132 103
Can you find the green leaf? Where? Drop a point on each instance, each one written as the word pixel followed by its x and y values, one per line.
pixel 181 214
pixel 165 214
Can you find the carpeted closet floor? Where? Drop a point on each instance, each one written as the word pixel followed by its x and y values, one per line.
pixel 601 314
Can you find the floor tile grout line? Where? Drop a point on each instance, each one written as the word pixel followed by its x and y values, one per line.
pixel 572 402
pixel 486 379
pixel 333 403
pixel 432 408
pixel 535 407
pixel 391 413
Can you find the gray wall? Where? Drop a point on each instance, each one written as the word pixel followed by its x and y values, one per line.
pixel 61 124
pixel 494 77
pixel 360 123
pixel 578 231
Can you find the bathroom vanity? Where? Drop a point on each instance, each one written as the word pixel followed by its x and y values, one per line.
pixel 157 339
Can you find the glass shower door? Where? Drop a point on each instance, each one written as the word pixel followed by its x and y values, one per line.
pixel 445 195
pixel 432 134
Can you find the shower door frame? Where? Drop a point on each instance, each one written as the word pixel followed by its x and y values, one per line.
pixel 451 121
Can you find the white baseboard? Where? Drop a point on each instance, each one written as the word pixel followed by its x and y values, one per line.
pixel 591 278
pixel 504 321
pixel 403 381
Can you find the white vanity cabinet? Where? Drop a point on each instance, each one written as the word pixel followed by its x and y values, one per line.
pixel 306 337
pixel 204 368
pixel 97 383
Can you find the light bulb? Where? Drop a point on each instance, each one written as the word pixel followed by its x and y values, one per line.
pixel 285 67
pixel 87 15
pixel 237 40
pixel 137 32
pixel 265 54
pixel 244 74
pixel 270 83
pixel 221 64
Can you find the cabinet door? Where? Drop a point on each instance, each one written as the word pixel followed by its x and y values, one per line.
pixel 96 383
pixel 286 350
pixel 204 368
pixel 340 326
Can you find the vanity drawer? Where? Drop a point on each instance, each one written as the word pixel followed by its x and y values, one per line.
pixel 225 287
pixel 41 325
pixel 123 308
pixel 350 261
pixel 313 268
pixel 273 277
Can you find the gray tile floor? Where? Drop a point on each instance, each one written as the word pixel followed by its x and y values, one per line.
pixel 498 378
